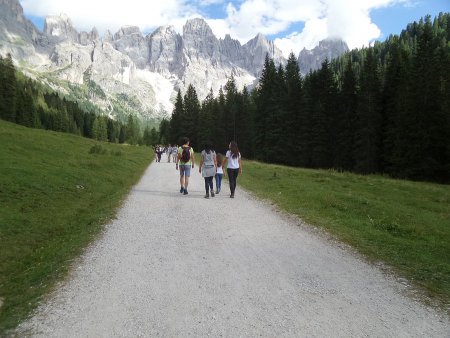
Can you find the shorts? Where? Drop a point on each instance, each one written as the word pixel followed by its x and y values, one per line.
pixel 185 170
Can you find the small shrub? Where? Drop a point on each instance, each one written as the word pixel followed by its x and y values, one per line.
pixel 97 149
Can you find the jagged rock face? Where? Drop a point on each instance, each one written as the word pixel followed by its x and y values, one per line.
pixel 166 55
pixel 327 49
pixel 232 51
pixel 130 41
pixel 88 38
pixel 258 48
pixel 60 27
pixel 199 41
pixel 17 34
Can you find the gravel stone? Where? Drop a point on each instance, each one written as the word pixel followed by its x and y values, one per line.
pixel 172 265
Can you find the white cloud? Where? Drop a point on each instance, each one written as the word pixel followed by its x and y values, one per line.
pixel 347 19
pixel 106 14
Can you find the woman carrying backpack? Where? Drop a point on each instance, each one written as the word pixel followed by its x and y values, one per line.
pixel 234 166
pixel 208 166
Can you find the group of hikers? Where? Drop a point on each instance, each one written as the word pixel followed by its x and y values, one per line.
pixel 211 165
pixel 169 150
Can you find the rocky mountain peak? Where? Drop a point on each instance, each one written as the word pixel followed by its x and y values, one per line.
pixel 199 40
pixel 327 49
pixel 18 35
pixel 127 31
pixel 197 27
pixel 259 47
pixel 61 27
pixel 13 8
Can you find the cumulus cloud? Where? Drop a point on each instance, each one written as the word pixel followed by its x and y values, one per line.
pixel 242 19
pixel 346 19
pixel 106 14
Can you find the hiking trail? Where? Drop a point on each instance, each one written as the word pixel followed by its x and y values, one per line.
pixel 172 265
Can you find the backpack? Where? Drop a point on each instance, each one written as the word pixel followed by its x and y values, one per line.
pixel 186 154
pixel 209 159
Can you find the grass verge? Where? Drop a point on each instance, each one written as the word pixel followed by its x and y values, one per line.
pixel 402 223
pixel 56 192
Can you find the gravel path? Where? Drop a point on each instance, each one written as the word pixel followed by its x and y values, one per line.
pixel 178 266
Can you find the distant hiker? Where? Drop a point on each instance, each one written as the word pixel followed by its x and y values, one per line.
pixel 169 153
pixel 185 160
pixel 158 151
pixel 207 168
pixel 174 153
pixel 219 172
pixel 234 165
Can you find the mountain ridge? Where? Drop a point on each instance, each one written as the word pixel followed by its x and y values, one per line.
pixel 149 69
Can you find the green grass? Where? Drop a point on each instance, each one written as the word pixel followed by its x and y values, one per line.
pixel 56 192
pixel 402 223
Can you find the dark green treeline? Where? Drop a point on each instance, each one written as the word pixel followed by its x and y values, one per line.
pixel 383 109
pixel 29 103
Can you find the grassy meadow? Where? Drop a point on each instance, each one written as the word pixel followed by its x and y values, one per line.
pixel 402 223
pixel 56 192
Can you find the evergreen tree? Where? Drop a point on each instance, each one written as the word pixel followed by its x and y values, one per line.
pixel 395 108
pixel 132 132
pixel 8 85
pixel 427 119
pixel 206 125
pixel 164 129
pixel 99 129
pixel 322 118
pixel 368 125
pixel 346 119
pixel 191 116
pixel 245 125
pixel 177 120
pixel 295 125
pixel 266 103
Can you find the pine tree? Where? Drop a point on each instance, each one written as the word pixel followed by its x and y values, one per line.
pixel 266 104
pixel 164 128
pixel 294 111
pixel 177 120
pixel 345 122
pixel 191 116
pixel 245 124
pixel 368 125
pixel 8 85
pixel 206 125
pixel 395 107
pixel 323 132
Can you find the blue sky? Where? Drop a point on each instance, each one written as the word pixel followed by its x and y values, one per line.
pixel 292 24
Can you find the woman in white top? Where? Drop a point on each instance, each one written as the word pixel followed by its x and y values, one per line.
pixel 234 165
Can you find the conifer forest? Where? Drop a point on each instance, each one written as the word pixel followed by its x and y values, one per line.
pixel 383 109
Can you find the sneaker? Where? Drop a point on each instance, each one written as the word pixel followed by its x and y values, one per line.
pixel 212 193
pixel 217 191
pixel 185 192
pixel 207 196
pixel 232 196
pixel 181 190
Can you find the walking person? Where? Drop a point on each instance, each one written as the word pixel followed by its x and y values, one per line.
pixel 158 151
pixel 169 153
pixel 207 168
pixel 174 153
pixel 219 172
pixel 185 160
pixel 234 165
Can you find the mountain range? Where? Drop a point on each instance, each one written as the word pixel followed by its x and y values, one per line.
pixel 129 73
